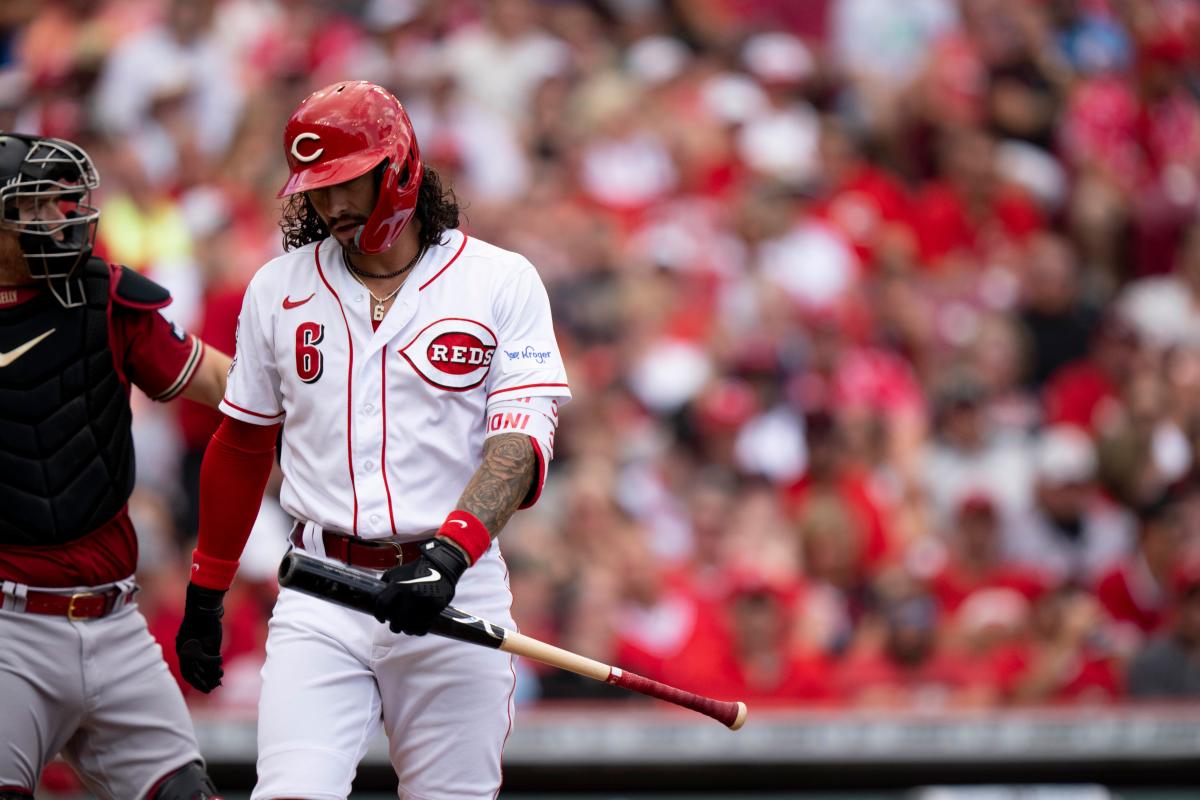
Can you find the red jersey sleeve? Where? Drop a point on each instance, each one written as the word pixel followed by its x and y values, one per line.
pixel 157 356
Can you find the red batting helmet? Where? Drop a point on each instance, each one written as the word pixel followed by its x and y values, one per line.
pixel 345 130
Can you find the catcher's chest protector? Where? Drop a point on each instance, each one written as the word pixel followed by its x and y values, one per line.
pixel 66 450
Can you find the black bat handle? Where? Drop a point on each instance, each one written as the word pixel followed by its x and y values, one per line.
pixel 332 582
pixel 358 590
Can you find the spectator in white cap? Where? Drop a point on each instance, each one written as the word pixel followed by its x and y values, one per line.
pixel 781 141
pixel 1072 531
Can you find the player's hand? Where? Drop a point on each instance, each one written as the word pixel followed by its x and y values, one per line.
pixel 198 643
pixel 418 591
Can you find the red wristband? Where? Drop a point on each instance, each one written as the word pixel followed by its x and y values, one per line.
pixel 212 573
pixel 466 531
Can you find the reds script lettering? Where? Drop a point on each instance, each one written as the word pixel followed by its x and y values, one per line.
pixel 459 348
pixel 458 354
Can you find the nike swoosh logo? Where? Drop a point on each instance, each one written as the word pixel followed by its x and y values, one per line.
pixel 457 522
pixel 289 303
pixel 433 575
pixel 13 355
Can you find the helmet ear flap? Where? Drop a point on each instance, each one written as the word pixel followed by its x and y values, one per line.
pixel 396 202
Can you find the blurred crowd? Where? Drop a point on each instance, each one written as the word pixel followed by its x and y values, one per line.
pixel 882 318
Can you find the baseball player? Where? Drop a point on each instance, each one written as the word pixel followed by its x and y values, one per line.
pixel 79 672
pixel 416 376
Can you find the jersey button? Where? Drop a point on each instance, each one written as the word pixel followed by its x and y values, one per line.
pixel 368 409
pixel 375 519
pixel 368 466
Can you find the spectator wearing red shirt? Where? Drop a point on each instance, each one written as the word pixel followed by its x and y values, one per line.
pixel 910 669
pixel 1137 591
pixel 865 202
pixel 974 560
pixel 962 214
pixel 1067 658
pixel 829 476
pixel 1168 134
pixel 753 657
pixel 1086 392
pixel 871 388
pixel 658 614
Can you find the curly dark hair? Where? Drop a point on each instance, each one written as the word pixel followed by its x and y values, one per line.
pixel 437 211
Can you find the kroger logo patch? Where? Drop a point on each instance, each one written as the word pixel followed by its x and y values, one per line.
pixel 520 356
pixel 529 354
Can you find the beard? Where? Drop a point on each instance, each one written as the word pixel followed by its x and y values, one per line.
pixel 14 271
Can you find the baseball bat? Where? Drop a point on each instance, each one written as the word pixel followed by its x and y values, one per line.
pixel 357 590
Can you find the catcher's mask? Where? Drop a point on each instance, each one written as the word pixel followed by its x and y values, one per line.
pixel 346 130
pixel 37 174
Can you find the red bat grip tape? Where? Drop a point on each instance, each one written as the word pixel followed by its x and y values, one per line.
pixel 721 711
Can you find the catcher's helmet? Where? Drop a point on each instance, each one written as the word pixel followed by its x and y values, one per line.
pixel 35 170
pixel 345 130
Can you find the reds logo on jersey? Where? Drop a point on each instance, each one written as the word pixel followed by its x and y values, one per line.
pixel 453 353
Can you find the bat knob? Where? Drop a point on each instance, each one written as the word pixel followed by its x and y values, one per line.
pixel 740 719
pixel 286 569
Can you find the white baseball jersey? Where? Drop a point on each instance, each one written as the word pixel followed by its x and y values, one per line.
pixel 382 431
pixel 383 428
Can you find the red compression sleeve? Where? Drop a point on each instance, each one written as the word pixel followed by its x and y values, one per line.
pixel 233 477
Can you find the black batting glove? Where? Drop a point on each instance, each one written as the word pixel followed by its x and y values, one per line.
pixel 198 643
pixel 417 592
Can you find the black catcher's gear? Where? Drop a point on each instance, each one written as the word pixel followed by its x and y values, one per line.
pixel 66 451
pixel 33 171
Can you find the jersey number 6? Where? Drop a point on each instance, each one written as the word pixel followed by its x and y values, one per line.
pixel 309 361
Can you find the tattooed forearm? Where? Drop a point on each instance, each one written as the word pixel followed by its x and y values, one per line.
pixel 502 481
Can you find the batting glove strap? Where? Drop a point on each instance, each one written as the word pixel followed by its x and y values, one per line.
pixel 466 531
pixel 418 592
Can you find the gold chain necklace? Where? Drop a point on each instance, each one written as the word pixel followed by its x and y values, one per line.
pixel 378 310
pixel 380 302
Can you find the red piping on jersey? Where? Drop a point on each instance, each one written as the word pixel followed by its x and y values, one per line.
pixel 540 478
pixel 508 730
pixel 526 386
pixel 383 449
pixel 225 400
pixel 349 383
pixel 508 707
pixel 448 263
